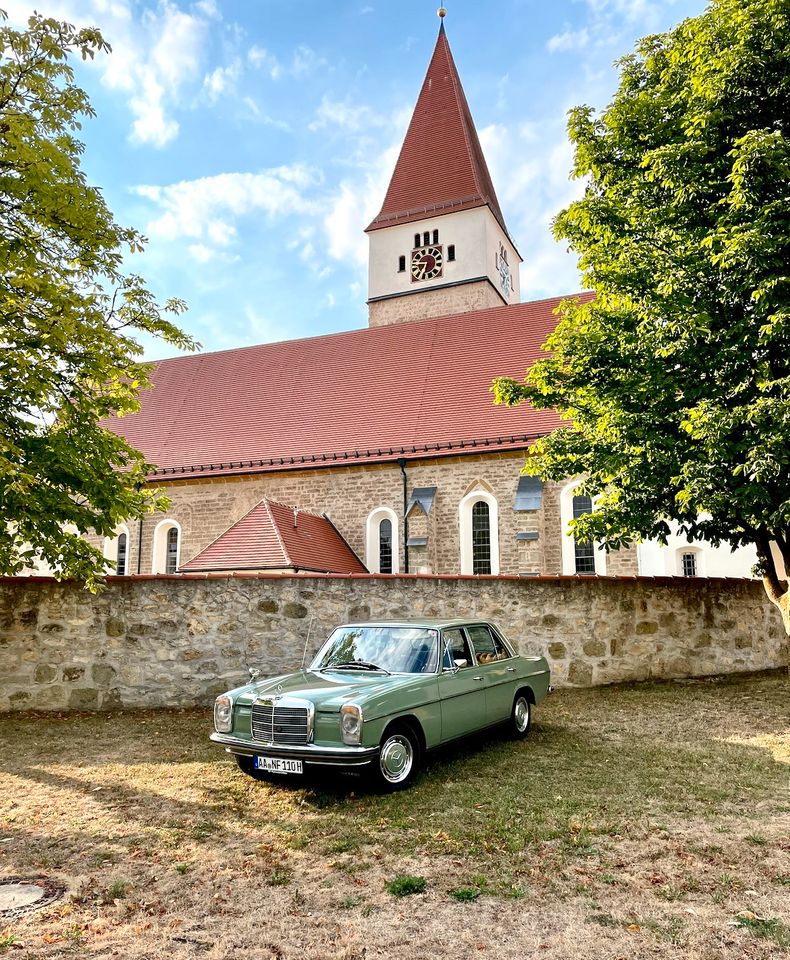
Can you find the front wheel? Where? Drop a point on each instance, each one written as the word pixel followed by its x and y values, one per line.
pixel 398 760
pixel 520 716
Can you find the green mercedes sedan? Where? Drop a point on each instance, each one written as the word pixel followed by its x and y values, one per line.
pixel 378 696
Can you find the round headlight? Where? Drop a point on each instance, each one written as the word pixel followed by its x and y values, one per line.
pixel 223 714
pixel 350 723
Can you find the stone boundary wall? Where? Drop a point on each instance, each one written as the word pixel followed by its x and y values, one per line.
pixel 180 640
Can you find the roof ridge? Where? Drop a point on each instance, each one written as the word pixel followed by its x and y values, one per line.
pixel 267 506
pixel 226 530
pixel 385 330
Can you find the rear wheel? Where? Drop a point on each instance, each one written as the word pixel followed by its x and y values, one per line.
pixel 398 760
pixel 520 716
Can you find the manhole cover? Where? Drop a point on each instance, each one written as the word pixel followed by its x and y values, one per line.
pixel 20 894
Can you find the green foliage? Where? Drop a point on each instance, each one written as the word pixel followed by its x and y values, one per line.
pixel 765 929
pixel 465 894
pixel 404 885
pixel 69 315
pixel 675 378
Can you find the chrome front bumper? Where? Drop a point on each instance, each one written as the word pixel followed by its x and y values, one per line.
pixel 308 752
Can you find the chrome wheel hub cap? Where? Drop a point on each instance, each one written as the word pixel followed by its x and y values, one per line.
pixel 396 758
pixel 521 714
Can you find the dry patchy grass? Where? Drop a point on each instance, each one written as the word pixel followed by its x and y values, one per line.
pixel 636 821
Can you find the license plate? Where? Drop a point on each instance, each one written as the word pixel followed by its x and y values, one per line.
pixel 277 765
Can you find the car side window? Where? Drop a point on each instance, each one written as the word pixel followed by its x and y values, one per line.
pixel 456 647
pixel 488 647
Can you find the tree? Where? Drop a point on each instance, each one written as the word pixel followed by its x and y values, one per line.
pixel 68 319
pixel 675 378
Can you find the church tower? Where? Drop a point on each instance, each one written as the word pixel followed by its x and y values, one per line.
pixel 439 245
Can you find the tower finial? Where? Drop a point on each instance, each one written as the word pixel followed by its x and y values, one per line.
pixel 442 13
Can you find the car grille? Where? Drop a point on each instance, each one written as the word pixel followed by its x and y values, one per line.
pixel 276 724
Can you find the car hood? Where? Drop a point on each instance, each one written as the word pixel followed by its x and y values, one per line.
pixel 328 690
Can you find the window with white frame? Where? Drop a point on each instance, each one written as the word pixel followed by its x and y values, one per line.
pixel 382 546
pixel 121 556
pixel 478 521
pixel 166 554
pixel 586 559
pixel 116 552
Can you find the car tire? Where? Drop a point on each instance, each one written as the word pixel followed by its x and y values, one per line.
pixel 398 760
pixel 520 716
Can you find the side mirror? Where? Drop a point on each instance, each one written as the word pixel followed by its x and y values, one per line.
pixel 254 674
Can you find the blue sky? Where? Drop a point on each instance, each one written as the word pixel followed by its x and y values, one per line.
pixel 253 140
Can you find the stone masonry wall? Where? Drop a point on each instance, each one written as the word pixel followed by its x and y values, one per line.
pixel 176 641
pixel 205 508
pixel 437 302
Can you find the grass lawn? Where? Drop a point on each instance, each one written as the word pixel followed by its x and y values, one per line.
pixel 640 821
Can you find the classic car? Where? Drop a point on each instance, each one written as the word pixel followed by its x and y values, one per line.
pixel 378 696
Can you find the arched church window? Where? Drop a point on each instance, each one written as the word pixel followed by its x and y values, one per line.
pixel 120 560
pixel 481 538
pixel 426 238
pixel 584 552
pixel 435 236
pixel 166 545
pixel 401 264
pixel 385 546
pixel 382 548
pixel 451 253
pixel 417 241
pixel 171 561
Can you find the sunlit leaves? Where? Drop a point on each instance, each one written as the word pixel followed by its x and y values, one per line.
pixel 675 380
pixel 69 318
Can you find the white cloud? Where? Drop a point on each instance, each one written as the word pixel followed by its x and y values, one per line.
pixel 568 40
pixel 530 167
pixel 222 80
pixel 206 210
pixel 261 58
pixel 154 56
pixel 346 116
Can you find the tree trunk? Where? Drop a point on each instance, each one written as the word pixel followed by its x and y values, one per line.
pixel 775 587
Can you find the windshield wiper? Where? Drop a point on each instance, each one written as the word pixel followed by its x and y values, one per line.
pixel 356 665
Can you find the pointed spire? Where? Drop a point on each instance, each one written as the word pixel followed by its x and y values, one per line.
pixel 441 167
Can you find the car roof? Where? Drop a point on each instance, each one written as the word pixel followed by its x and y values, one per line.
pixel 433 623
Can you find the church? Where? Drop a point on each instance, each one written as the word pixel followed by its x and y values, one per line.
pixel 380 450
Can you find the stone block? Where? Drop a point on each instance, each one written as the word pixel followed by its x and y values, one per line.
pixel 114 628
pixel 594 648
pixel 645 627
pixel 557 651
pixel 103 674
pixel 580 673
pixel 84 698
pixel 73 673
pixel 45 673
pixel 295 611
pixel 268 606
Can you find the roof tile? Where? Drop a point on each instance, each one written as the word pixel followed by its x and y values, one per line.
pixel 274 536
pixel 441 167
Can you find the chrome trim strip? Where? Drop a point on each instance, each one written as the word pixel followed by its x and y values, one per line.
pixel 306 751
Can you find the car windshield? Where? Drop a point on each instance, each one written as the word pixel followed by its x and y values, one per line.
pixel 390 649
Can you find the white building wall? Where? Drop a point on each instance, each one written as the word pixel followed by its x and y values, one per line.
pixel 476 235
pixel 656 560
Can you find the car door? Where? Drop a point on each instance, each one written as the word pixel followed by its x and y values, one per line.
pixel 495 665
pixel 461 688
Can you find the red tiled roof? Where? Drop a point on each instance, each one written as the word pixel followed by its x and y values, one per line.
pixel 273 537
pixel 365 395
pixel 441 167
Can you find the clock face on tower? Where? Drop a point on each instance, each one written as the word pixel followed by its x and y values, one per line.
pixel 427 263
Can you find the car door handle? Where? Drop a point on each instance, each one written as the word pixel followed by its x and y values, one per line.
pixel 477 678
pixel 511 669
